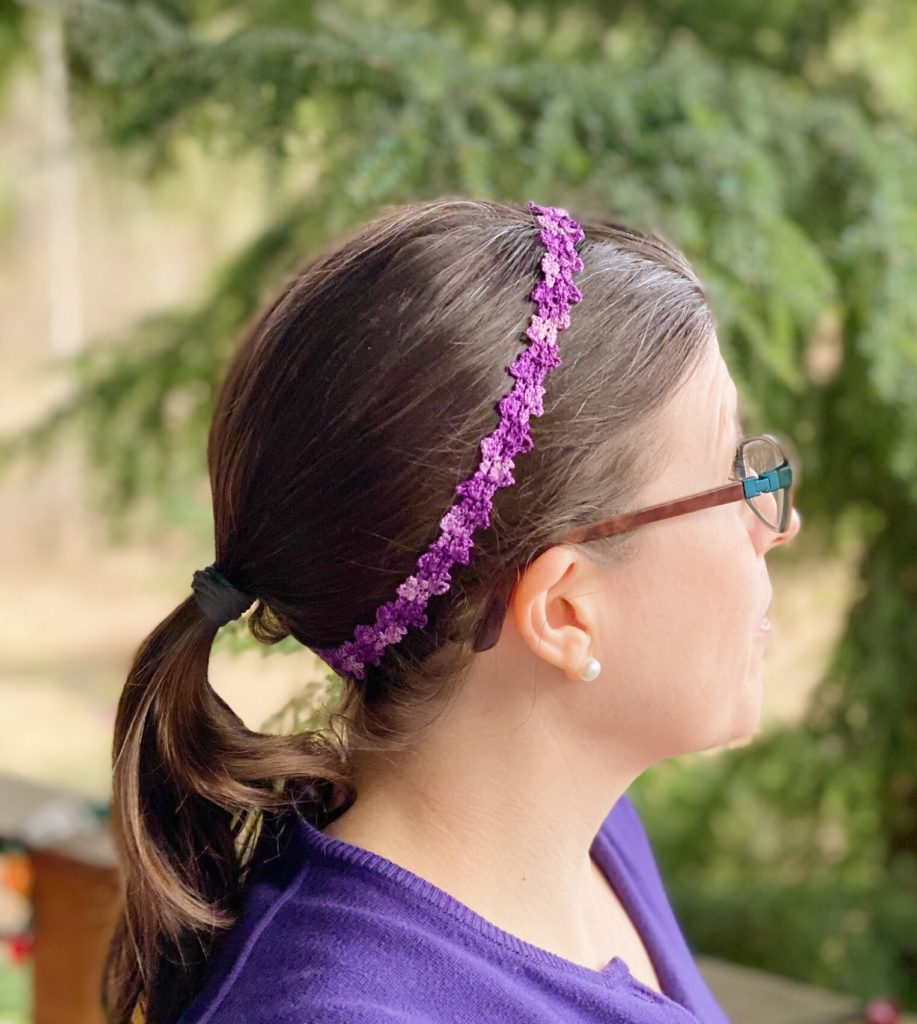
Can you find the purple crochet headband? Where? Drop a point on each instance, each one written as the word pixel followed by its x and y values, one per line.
pixel 560 234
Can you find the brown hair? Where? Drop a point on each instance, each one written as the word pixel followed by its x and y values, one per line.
pixel 352 408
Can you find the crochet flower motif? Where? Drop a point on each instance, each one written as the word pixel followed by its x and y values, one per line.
pixel 554 294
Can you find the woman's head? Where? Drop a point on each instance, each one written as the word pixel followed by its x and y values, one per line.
pixel 677 627
pixel 351 413
pixel 352 408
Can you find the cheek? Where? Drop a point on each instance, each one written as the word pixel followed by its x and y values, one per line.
pixel 700 581
pixel 682 635
pixel 689 601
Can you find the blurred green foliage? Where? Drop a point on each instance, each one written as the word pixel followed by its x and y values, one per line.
pixel 14 47
pixel 752 136
pixel 15 992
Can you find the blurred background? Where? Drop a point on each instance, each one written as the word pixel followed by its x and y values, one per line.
pixel 164 166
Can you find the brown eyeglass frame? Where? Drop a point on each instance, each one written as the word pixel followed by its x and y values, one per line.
pixel 490 627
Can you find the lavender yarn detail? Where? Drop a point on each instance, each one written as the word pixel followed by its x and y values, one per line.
pixel 554 294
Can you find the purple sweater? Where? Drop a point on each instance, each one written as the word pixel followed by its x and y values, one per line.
pixel 332 933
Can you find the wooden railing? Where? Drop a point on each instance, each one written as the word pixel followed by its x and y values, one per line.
pixel 750 996
pixel 74 896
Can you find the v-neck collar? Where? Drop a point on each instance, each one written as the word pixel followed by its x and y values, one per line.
pixel 611 852
pixel 613 859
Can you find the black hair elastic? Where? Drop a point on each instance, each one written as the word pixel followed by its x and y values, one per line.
pixel 219 600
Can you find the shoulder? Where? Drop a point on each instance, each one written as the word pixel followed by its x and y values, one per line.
pixel 324 942
pixel 304 970
pixel 307 1011
pixel 319 1011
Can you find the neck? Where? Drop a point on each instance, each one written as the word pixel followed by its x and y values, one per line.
pixel 499 808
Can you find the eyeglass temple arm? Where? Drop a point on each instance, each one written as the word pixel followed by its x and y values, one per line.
pixel 666 510
pixel 489 630
pixel 749 487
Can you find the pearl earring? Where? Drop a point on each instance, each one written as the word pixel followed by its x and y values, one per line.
pixel 591 668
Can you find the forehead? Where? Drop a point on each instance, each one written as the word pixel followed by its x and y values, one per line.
pixel 705 414
pixel 718 369
pixel 696 429
pixel 710 392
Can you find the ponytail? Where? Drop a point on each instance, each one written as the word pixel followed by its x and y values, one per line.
pixel 191 785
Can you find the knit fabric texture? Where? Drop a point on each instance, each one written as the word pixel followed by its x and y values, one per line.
pixel 332 933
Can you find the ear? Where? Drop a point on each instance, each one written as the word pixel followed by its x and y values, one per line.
pixel 556 608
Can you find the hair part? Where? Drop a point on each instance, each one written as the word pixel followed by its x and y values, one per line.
pixel 352 408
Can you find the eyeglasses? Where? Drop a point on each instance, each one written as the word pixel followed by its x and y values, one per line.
pixel 764 479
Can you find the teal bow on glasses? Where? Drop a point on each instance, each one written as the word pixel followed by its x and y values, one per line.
pixel 768 481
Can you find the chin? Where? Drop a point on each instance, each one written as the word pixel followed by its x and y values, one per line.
pixel 749 726
pixel 740 741
pixel 744 727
